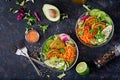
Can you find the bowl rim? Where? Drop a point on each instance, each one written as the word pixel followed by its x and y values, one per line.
pixel 74 62
pixel 93 46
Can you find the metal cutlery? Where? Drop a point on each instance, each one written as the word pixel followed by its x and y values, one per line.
pixel 23 52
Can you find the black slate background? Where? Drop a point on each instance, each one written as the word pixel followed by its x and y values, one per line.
pixel 14 67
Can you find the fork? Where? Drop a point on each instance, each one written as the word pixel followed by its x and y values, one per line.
pixel 23 52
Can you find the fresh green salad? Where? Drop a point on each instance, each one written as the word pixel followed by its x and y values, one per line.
pixel 95 27
pixel 59 52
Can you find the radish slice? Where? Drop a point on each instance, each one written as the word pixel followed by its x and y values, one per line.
pixel 84 17
pixel 64 37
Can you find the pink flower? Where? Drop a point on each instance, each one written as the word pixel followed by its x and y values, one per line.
pixel 20 16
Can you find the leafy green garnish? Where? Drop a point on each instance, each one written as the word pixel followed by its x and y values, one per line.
pixel 17 2
pixel 92 30
pixel 99 28
pixel 57 43
pixel 23 2
pixel 62 50
pixel 43 27
pixel 99 35
pixel 81 32
pixel 13 11
pixel 61 75
pixel 101 15
pixel 55 37
pixel 30 19
pixel 26 31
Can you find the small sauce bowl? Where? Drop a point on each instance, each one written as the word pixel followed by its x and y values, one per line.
pixel 32 36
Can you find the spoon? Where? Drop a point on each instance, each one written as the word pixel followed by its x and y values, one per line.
pixel 23 52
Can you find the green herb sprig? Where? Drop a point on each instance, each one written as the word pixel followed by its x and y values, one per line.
pixel 99 34
pixel 30 19
pixel 43 27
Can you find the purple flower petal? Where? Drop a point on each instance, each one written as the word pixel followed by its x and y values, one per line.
pixel 37 16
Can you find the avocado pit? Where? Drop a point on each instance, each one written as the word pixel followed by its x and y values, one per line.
pixel 53 13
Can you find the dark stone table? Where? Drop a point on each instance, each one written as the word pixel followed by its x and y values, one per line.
pixel 13 67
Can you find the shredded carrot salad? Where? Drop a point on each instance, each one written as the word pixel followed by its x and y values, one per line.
pixel 87 36
pixel 69 54
pixel 85 33
pixel 58 49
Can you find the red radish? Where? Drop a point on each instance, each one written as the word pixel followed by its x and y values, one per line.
pixel 64 37
pixel 84 17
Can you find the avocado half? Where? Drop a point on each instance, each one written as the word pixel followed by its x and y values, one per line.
pixel 46 10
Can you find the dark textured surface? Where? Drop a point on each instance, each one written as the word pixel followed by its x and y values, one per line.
pixel 12 32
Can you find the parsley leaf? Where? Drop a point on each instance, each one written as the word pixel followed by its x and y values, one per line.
pixel 62 50
pixel 57 43
pixel 92 30
pixel 43 27
pixel 26 31
pixel 30 19
pixel 99 28
pixel 17 2
pixel 81 32
pixel 99 35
